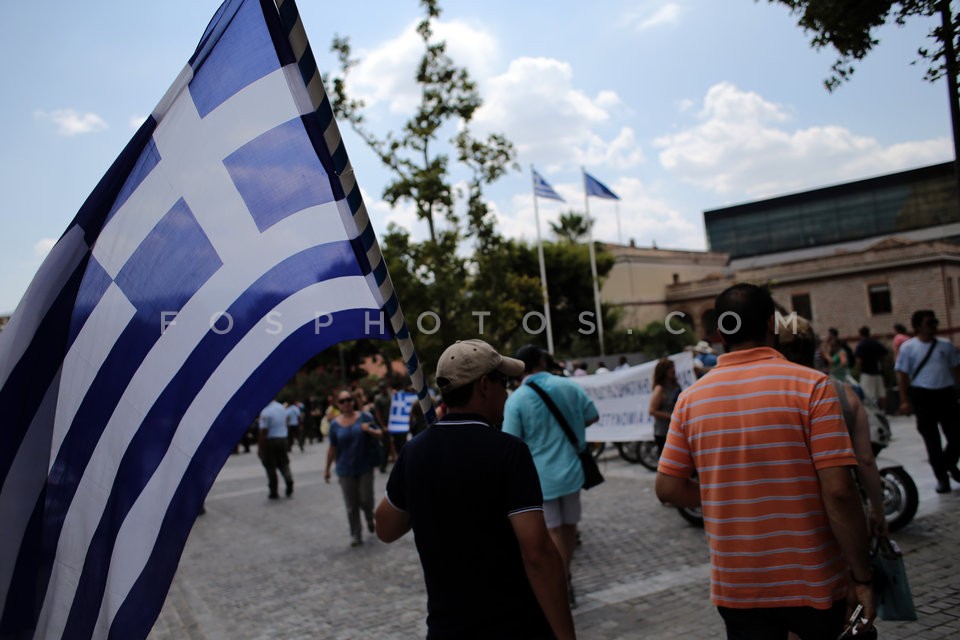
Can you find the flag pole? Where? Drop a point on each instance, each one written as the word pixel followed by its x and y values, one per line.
pixel 543 267
pixel 616 203
pixel 593 260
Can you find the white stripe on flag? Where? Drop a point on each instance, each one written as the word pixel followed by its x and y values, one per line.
pixel 87 354
pixel 142 524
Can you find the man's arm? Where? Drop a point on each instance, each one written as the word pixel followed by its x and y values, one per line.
pixel 391 523
pixel 867 463
pixel 845 514
pixel 903 386
pixel 544 568
pixel 680 492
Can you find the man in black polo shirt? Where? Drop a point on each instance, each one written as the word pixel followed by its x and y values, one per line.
pixel 472 497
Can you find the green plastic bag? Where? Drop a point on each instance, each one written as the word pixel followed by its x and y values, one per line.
pixel 891 588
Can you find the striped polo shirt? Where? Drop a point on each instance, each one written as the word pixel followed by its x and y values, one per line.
pixel 756 429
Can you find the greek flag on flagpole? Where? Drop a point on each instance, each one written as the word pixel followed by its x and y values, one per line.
pixel 597 189
pixel 543 189
pixel 225 246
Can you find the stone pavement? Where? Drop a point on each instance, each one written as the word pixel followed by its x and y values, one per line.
pixel 254 568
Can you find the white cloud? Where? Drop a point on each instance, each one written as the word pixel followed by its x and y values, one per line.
pixel 743 145
pixel 386 74
pixel 664 15
pixel 536 105
pixel 70 122
pixel 43 246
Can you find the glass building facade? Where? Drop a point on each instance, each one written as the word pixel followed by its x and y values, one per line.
pixel 878 206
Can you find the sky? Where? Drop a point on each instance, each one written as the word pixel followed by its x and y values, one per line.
pixel 678 106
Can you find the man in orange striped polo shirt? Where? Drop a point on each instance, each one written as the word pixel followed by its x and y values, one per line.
pixel 782 514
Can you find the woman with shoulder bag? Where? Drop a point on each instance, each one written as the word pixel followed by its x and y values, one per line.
pixel 350 445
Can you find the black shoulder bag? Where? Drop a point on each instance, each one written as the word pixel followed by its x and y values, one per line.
pixel 933 345
pixel 591 472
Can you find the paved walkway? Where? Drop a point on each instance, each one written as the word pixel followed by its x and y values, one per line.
pixel 256 569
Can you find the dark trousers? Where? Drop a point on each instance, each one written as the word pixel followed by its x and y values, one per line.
pixel 933 407
pixel 357 497
pixel 274 456
pixel 776 622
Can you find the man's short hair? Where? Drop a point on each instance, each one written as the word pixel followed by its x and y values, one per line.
pixel 458 397
pixel 752 306
pixel 864 331
pixel 532 356
pixel 916 320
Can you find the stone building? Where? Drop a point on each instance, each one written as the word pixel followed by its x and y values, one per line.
pixel 868 252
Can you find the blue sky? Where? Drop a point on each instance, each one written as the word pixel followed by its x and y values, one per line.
pixel 678 106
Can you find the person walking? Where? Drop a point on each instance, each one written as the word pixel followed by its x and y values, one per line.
pixel 869 356
pixel 272 447
pixel 799 346
pixel 927 368
pixel 782 514
pixel 353 438
pixel 666 390
pixel 528 417
pixel 294 430
pixel 470 494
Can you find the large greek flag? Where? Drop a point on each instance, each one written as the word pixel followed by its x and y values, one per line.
pixel 225 246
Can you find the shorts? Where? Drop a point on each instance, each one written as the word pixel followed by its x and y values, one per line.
pixel 562 510
pixel 872 385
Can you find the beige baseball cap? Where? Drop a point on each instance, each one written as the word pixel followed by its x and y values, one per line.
pixel 467 360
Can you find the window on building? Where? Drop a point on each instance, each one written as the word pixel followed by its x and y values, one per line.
pixel 801 304
pixel 951 300
pixel 879 299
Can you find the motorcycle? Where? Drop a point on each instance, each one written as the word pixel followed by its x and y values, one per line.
pixel 900 497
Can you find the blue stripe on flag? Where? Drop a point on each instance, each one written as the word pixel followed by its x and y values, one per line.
pixel 543 189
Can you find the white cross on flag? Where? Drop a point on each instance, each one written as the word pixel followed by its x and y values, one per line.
pixel 225 246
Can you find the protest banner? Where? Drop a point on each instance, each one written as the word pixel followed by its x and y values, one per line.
pixel 623 398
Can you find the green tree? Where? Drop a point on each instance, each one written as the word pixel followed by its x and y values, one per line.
pixel 433 276
pixel 849 27
pixel 572 226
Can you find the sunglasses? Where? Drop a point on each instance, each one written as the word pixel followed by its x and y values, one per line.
pixel 344 400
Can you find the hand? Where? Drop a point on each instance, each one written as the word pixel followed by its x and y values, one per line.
pixel 326 476
pixel 906 408
pixel 862 593
pixel 878 523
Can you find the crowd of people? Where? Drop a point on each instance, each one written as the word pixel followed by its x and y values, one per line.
pixel 764 442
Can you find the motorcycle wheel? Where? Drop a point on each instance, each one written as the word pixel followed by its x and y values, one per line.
pixel 900 498
pixel 649 454
pixel 693 516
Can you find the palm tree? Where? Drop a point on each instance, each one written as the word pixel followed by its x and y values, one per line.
pixel 572 227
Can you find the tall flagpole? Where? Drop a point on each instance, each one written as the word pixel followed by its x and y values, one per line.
pixel 593 260
pixel 543 266
pixel 619 235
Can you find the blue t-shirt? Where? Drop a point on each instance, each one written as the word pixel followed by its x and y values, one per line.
pixel 353 446
pixel 528 417
pixel 936 374
pixel 273 419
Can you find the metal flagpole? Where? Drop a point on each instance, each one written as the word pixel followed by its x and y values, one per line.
pixel 543 267
pixel 619 235
pixel 593 260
